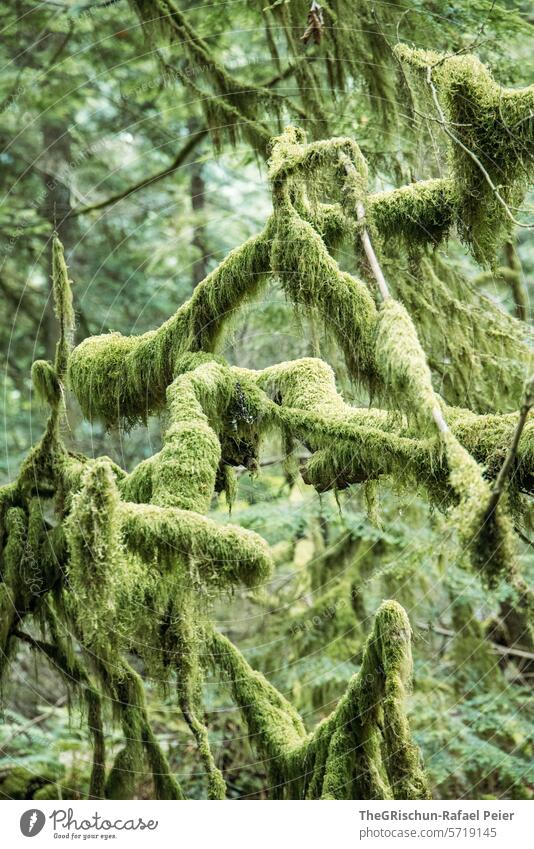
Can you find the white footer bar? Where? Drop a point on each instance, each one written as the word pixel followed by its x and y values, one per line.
pixel 263 824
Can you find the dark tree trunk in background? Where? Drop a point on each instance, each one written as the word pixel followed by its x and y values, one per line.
pixel 198 204
pixel 56 208
pixel 197 189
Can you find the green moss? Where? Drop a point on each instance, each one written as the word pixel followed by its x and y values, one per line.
pixel 391 641
pixel 128 766
pixel 22 783
pixel 292 157
pixel 313 279
pixel 478 354
pixel 97 571
pixel 61 287
pixel 184 471
pixel 95 725
pixel 16 530
pixel 49 791
pixel 403 364
pixel 488 539
pixel 229 484
pixel 14 592
pixel 348 53
pixel 495 124
pixel 126 690
pixel 134 563
pixel 348 450
pixel 188 671
pixel 45 382
pixel 220 555
pixel 487 438
pixel 419 214
pixel 125 378
pixel 348 755
pixel 471 651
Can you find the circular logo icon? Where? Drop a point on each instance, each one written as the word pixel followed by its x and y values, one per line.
pixel 32 822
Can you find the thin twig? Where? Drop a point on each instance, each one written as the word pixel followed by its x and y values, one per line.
pixel 436 120
pixel 148 181
pixel 498 486
pixel 371 256
pixel 273 461
pixel 504 650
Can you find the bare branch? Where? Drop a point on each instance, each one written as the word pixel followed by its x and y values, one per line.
pixel 498 486
pixel 179 160
pixel 497 647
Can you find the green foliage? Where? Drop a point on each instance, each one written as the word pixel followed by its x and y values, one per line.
pixel 479 356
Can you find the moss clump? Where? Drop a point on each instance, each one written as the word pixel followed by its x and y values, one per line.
pixel 46 383
pixel 97 571
pixel 22 783
pixel 489 539
pixel 62 293
pixel 312 279
pixel 403 364
pixel 184 472
pixel 419 214
pixel 221 555
pixel 346 53
pixel 291 157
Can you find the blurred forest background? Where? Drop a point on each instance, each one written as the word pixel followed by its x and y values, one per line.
pixel 103 136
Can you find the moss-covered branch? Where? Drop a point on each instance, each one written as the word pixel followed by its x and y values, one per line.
pixel 491 142
pixel 363 749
